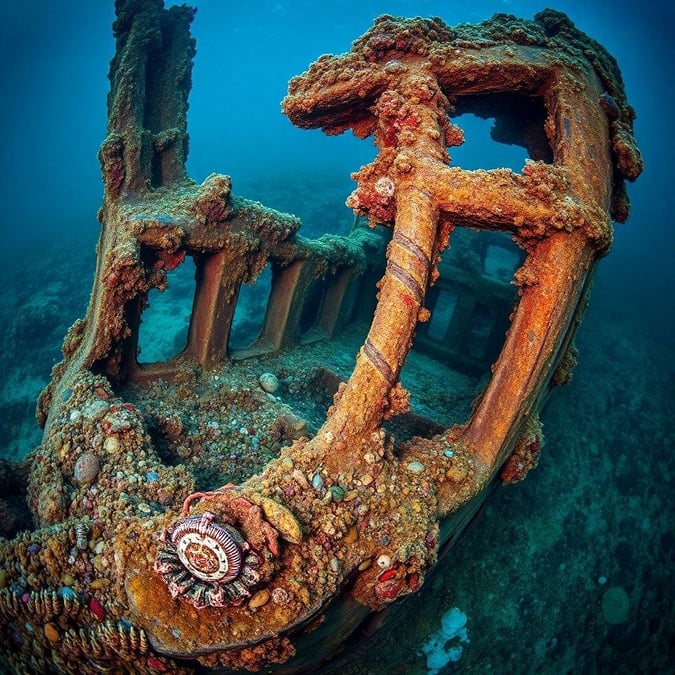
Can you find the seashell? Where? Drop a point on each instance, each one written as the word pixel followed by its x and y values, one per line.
pixel 86 468
pixel 280 518
pixel 81 535
pixel 207 562
pixel 384 186
pixel 209 551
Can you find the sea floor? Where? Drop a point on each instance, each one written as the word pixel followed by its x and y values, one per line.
pixel 570 571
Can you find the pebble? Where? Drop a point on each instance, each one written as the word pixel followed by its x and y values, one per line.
pixel 317 481
pixel 384 562
pixel 269 382
pixel 456 473
pixel 97 609
pixel 337 493
pixel 366 479
pixel 259 599
pixel 111 444
pixel 351 535
pixel 86 468
pixel 51 632
pixel 415 467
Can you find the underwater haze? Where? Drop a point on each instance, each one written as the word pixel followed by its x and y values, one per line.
pixel 570 571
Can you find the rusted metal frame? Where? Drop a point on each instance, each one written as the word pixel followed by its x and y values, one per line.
pixel 497 69
pixel 282 316
pixel 360 410
pixel 333 314
pixel 504 201
pixel 558 264
pixel 213 309
pixel 148 101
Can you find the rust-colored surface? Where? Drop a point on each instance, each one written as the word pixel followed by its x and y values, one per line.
pixel 287 563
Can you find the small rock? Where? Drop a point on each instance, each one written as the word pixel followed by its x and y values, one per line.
pixel 111 444
pixel 337 493
pixel 86 468
pixel 456 473
pixel 51 632
pixel 615 605
pixel 269 382
pixel 415 467
pixel 259 599
pixel 351 535
pixel 384 562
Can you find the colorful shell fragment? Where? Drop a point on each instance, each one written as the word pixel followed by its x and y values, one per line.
pixel 207 562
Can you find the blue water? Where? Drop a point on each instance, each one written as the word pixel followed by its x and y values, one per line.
pixel 531 575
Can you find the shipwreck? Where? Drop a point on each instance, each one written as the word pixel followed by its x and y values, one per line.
pixel 194 514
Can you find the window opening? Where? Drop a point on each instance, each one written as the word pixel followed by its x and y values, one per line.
pixel 479 332
pixel 249 314
pixel 501 259
pixel 500 131
pixel 471 304
pixel 442 305
pixel 166 317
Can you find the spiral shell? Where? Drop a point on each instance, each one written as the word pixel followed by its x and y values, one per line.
pixel 207 562
pixel 209 551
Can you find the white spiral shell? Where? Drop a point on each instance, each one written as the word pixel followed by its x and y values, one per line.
pixel 207 562
pixel 209 551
